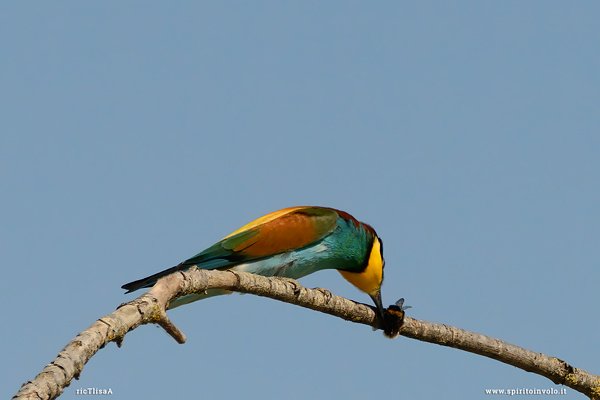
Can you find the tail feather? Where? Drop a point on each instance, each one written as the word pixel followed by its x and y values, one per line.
pixel 149 281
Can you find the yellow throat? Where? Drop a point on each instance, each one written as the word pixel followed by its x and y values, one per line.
pixel 368 280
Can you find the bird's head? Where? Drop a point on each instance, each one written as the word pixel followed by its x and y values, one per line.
pixel 369 279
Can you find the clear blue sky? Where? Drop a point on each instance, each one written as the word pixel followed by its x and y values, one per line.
pixel 133 135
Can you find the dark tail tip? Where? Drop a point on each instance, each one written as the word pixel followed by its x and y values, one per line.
pixel 133 286
pixel 148 281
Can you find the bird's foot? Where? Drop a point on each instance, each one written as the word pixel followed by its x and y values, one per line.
pixel 394 318
pixel 326 292
pixel 297 286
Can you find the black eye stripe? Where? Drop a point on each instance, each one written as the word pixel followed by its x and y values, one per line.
pixel 382 259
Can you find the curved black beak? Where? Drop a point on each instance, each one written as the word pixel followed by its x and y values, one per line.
pixel 377 300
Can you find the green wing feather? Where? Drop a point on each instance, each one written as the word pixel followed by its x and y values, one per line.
pixel 295 229
pixel 285 233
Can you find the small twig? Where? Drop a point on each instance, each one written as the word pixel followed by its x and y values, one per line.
pixel 171 329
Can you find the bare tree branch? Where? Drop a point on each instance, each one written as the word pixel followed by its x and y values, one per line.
pixel 151 308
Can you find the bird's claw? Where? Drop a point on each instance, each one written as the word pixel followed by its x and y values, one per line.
pixel 297 286
pixel 326 292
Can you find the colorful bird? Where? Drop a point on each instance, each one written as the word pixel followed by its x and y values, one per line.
pixel 292 243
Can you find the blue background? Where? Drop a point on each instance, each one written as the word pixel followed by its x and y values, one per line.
pixel 134 135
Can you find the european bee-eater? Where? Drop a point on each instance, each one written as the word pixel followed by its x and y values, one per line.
pixel 292 243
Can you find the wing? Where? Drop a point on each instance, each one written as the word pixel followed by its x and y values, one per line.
pixel 275 233
pixel 297 228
